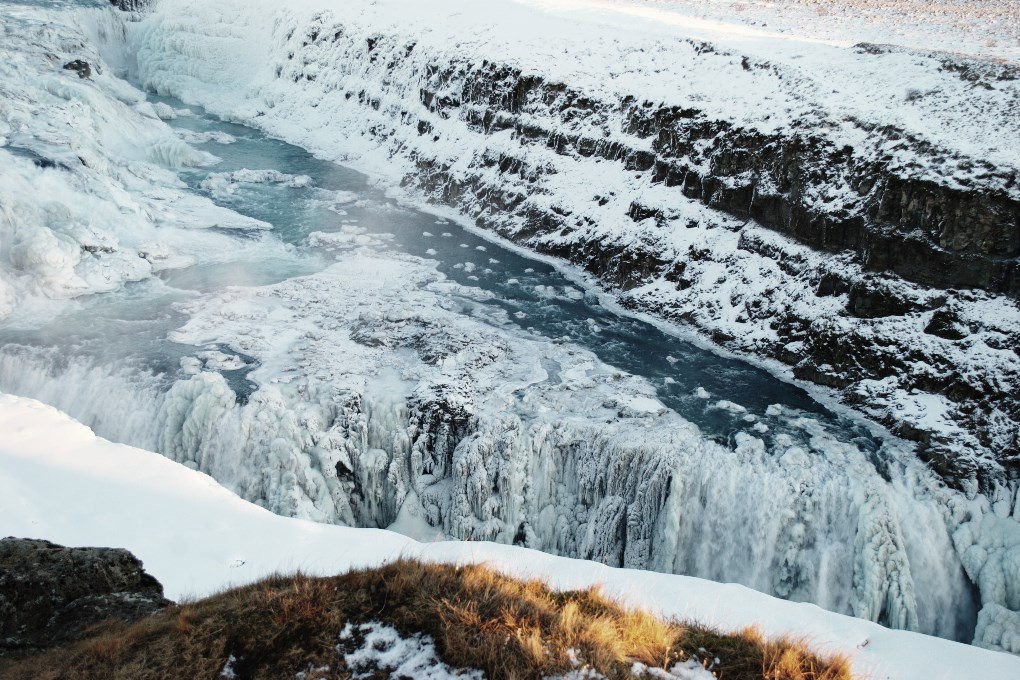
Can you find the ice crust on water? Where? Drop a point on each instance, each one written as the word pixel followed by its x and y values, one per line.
pixel 192 137
pixel 221 184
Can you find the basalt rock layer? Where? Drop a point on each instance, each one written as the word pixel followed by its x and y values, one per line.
pixel 868 258
pixel 50 595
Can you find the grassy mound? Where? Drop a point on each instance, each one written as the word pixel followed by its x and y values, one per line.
pixel 287 627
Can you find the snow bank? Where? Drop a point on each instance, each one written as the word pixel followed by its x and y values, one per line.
pixel 61 483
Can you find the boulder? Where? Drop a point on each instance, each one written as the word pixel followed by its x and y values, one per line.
pixel 50 595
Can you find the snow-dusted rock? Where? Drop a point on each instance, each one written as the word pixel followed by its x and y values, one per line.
pixel 780 195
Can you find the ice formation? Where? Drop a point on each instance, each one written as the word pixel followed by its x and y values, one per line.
pixel 89 200
pixel 990 549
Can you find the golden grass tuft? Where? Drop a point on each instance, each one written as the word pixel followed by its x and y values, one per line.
pixel 478 618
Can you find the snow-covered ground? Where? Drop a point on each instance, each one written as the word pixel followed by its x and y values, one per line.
pixel 984 28
pixel 61 483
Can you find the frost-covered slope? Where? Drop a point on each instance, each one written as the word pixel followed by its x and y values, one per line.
pixel 853 213
pixel 197 538
pixel 988 29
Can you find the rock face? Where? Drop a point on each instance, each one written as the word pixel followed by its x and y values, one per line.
pixel 49 594
pixel 131 5
pixel 82 68
pixel 886 269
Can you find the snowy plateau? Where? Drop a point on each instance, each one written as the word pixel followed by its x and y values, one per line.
pixel 636 283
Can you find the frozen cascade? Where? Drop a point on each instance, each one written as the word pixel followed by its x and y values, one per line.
pixel 642 492
pixel 476 428
pixel 374 389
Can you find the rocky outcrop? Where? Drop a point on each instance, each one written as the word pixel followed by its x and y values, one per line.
pixel 50 595
pixel 131 5
pixel 82 68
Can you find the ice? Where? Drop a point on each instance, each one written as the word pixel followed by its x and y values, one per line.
pixel 998 628
pixel 176 153
pixel 88 203
pixel 224 184
pixel 197 538
pixel 989 547
pixel 164 111
pixel 217 136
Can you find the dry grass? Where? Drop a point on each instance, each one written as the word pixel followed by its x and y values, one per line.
pixel 478 618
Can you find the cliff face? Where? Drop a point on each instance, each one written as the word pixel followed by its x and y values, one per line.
pixel 923 228
pixel 868 257
pixel 132 5
pixel 51 595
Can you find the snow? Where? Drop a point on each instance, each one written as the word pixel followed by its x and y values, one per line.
pixel 382 648
pixel 688 670
pixel 347 81
pixel 988 29
pixel 60 482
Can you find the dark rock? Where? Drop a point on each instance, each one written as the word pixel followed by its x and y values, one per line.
pixel 80 67
pixel 869 301
pixel 946 324
pixel 831 284
pixel 50 595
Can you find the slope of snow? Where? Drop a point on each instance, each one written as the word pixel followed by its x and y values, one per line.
pixel 985 28
pixel 60 482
